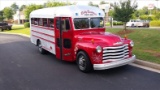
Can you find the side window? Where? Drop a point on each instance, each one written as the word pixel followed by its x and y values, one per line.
pixel 51 23
pixel 57 24
pixel 40 22
pixel 36 21
pixel 32 20
pixel 45 24
pixel 67 43
pixel 65 24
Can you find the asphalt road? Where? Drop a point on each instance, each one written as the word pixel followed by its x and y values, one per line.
pixel 22 67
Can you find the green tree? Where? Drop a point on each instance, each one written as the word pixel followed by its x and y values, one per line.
pixel 55 4
pixel 8 13
pixel 158 15
pixel 14 7
pixel 31 8
pixel 123 11
pixel 91 4
pixel 110 13
pixel 103 2
pixel 1 16
pixel 22 7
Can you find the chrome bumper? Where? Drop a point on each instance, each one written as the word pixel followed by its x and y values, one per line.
pixel 114 64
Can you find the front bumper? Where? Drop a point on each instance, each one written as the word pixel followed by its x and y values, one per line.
pixel 114 64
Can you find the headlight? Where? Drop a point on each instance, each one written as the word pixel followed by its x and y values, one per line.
pixel 99 49
pixel 132 43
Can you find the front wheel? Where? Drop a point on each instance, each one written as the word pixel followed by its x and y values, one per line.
pixel 83 62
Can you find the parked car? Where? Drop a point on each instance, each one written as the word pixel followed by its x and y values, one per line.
pixel 5 26
pixel 138 23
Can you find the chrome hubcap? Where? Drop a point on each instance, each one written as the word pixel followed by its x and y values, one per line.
pixel 82 62
pixel 40 47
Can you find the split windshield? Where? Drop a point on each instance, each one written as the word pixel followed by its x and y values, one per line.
pixel 84 23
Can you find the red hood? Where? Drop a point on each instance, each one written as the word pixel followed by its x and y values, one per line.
pixel 103 39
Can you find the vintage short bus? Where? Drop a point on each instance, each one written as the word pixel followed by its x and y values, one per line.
pixel 77 33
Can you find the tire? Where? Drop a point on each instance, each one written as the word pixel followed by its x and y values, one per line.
pixel 132 25
pixel 41 50
pixel 83 62
pixel 9 28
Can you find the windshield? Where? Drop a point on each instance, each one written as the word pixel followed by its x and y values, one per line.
pixel 81 23
pixel 84 23
pixel 96 22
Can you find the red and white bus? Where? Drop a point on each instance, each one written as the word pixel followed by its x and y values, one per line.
pixel 77 33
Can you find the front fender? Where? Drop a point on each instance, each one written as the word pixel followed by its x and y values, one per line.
pixel 90 49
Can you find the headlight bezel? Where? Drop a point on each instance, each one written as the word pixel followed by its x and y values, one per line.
pixel 131 43
pixel 98 49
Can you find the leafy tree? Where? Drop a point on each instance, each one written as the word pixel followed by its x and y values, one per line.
pixel 91 4
pixel 55 4
pixel 14 7
pixel 123 11
pixel 110 13
pixel 22 7
pixel 158 15
pixel 103 2
pixel 31 8
pixel 1 16
pixel 8 13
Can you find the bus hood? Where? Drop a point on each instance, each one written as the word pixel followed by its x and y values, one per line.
pixel 103 39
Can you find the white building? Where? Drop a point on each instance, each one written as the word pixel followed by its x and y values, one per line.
pixel 19 17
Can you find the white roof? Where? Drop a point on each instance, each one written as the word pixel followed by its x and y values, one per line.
pixel 74 11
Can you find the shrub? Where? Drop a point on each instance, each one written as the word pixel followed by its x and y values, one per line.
pixel 117 23
pixel 147 17
pixel 155 23
pixel 26 24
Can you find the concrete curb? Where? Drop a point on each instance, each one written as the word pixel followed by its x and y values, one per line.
pixel 138 62
pixel 147 64
pixel 16 34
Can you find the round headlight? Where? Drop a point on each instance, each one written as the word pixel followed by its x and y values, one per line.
pixel 98 49
pixel 132 43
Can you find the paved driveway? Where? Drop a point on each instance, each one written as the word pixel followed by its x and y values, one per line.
pixel 22 67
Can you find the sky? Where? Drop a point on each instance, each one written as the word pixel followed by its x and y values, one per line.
pixel 7 3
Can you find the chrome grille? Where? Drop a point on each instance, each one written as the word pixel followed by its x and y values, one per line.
pixel 115 53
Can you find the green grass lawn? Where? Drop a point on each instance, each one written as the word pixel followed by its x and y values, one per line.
pixel 19 29
pixel 147 41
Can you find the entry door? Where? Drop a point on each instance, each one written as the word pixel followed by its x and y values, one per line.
pixel 63 35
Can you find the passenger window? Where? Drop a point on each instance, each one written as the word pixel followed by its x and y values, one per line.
pixel 36 21
pixel 32 20
pixel 51 23
pixel 40 22
pixel 45 24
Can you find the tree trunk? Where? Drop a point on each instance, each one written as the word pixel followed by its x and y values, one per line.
pixel 125 29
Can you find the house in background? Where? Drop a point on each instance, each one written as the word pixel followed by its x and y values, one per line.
pixel 19 18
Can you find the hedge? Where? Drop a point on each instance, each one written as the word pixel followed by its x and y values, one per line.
pixel 155 23
pixel 117 23
pixel 26 24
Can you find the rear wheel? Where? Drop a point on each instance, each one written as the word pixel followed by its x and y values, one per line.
pixel 132 25
pixel 83 62
pixel 41 50
pixel 9 28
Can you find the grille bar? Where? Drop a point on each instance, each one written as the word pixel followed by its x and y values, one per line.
pixel 115 53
